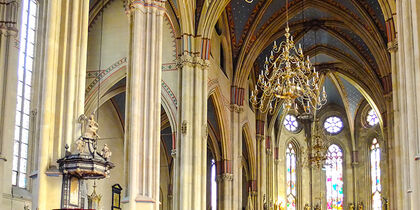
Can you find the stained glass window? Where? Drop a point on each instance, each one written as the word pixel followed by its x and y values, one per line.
pixel 334 177
pixel 333 124
pixel 375 171
pixel 290 123
pixel 213 185
pixel 372 118
pixel 291 177
pixel 24 86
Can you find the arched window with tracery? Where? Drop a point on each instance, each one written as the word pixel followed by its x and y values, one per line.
pixel 334 177
pixel 291 177
pixel 24 89
pixel 375 172
pixel 213 185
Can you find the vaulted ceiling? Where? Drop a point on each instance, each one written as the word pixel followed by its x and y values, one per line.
pixel 346 36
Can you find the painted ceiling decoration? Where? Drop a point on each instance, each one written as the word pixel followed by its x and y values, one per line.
pixel 348 35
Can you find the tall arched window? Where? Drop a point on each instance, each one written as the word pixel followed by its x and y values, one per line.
pixel 24 86
pixel 213 185
pixel 375 172
pixel 291 177
pixel 334 177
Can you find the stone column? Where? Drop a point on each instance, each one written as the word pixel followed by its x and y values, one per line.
pixel 276 173
pixel 224 184
pixel 408 91
pixel 143 105
pixel 261 166
pixel 237 98
pixel 190 183
pixel 392 120
pixel 269 170
pixel 8 84
pixel 62 65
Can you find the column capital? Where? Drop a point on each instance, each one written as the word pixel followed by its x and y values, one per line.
pixel 192 61
pixel 173 153
pixel 260 137
pixel 393 46
pixel 224 177
pixel 133 5
pixel 236 108
pixel 8 30
pixel 268 151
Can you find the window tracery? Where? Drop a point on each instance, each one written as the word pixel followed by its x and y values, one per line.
pixel 24 88
pixel 375 160
pixel 333 125
pixel 290 122
pixel 334 178
pixel 213 185
pixel 372 118
pixel 291 177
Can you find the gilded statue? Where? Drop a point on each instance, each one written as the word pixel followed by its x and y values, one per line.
pixel 351 206
pixel 307 207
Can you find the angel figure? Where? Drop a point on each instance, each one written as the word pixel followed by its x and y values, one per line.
pixel 80 145
pixel 90 128
pixel 106 152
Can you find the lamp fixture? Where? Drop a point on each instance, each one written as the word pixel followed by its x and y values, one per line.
pixel 288 76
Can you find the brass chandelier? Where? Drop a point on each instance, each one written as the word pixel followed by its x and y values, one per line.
pixel 288 76
pixel 318 150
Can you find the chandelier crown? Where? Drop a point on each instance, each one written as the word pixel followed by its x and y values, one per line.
pixel 288 77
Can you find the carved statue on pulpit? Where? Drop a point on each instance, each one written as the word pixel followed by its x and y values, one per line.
pixel 90 127
pixel 307 207
pixel 106 152
pixel 351 206
pixel 80 145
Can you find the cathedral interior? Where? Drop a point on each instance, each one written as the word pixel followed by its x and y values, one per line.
pixel 178 104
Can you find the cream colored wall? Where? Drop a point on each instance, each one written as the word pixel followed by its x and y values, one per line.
pixel 342 139
pixel 364 137
pixel 299 138
pixel 115 37
pixel 112 134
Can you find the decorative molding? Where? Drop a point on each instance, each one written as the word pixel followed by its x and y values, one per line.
pixel 268 151
pixel 173 153
pixel 8 18
pixel 236 108
pixel 171 94
pixel 393 46
pixel 224 177
pixel 133 5
pixel 184 127
pixel 53 171
pixel 169 67
pixel 192 61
